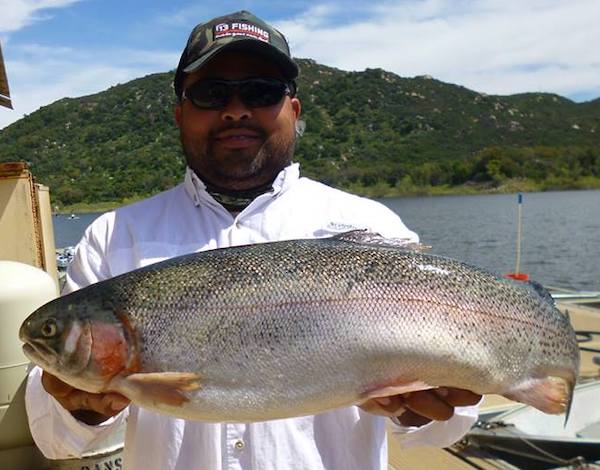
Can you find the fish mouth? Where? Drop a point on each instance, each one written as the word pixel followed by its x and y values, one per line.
pixel 40 354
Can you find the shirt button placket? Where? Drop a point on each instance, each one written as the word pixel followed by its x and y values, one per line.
pixel 235 445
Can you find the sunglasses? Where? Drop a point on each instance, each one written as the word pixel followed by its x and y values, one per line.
pixel 254 92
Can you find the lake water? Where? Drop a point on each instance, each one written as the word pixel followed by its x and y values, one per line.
pixel 560 244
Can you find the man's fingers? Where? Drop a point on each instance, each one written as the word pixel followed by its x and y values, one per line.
pixel 429 404
pixel 418 408
pixel 107 404
pixel 102 404
pixel 91 408
pixel 410 418
pixel 392 405
pixel 459 397
pixel 385 406
pixel 116 402
pixel 76 400
pixel 54 386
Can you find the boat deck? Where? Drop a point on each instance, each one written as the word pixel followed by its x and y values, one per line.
pixel 585 316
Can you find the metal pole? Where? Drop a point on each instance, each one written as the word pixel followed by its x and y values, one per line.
pixel 519 231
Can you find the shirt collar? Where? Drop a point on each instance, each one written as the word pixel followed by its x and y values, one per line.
pixel 196 189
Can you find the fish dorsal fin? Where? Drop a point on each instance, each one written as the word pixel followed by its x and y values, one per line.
pixel 366 237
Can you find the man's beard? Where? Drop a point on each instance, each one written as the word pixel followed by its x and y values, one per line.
pixel 236 169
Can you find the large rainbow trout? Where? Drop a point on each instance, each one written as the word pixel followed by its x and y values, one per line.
pixel 299 327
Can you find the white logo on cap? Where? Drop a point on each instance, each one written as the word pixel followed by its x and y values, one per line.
pixel 223 30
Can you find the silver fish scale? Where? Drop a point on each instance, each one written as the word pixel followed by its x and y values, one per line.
pixel 272 329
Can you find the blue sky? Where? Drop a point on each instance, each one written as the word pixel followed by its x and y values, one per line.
pixel 58 48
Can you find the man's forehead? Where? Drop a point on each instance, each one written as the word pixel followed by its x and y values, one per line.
pixel 235 65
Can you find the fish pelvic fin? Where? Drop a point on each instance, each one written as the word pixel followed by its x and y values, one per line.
pixel 364 236
pixel 159 387
pixel 397 387
pixel 551 395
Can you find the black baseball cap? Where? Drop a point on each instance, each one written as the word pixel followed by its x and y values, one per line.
pixel 240 31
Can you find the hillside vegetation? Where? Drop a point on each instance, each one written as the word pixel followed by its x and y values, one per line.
pixel 371 132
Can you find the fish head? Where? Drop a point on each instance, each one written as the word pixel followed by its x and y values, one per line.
pixel 80 339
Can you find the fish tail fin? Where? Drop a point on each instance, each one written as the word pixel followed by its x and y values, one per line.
pixel 570 401
pixel 551 395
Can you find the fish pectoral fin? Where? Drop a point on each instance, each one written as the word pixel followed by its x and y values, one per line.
pixel 395 388
pixel 160 387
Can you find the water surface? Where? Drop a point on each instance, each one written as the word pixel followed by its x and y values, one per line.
pixel 561 232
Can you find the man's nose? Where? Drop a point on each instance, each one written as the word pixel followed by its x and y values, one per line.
pixel 236 110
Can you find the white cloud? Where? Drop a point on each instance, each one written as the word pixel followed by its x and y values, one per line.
pixel 43 75
pixel 17 14
pixel 493 46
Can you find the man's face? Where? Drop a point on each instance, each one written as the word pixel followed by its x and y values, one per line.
pixel 237 147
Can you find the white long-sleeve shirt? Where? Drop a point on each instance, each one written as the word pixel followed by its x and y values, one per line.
pixel 187 219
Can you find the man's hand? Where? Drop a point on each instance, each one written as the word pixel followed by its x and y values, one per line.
pixel 91 408
pixel 419 408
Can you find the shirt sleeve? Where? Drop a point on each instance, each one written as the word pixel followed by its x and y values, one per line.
pixel 88 265
pixel 437 433
pixel 55 431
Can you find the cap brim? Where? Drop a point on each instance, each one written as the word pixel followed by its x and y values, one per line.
pixel 287 65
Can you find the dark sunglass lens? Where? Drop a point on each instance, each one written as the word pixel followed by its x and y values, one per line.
pixel 209 94
pixel 260 93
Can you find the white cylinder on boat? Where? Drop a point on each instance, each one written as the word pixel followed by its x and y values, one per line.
pixel 23 288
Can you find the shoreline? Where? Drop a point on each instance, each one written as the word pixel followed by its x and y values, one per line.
pixel 381 191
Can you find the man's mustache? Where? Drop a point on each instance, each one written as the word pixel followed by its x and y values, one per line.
pixel 248 126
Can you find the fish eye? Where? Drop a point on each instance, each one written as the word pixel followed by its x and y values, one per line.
pixel 49 328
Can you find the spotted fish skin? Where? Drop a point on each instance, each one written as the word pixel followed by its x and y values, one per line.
pixel 300 327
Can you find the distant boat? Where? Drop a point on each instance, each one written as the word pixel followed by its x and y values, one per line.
pixel 73 217
pixel 62 261
pixel 64 256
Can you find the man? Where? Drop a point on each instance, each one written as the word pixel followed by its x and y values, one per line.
pixel 237 113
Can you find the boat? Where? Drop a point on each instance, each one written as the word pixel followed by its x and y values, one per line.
pixel 531 439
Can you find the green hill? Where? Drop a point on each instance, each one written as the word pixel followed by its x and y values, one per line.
pixel 372 132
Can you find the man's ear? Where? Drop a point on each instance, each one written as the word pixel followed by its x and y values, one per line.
pixel 296 106
pixel 178 115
